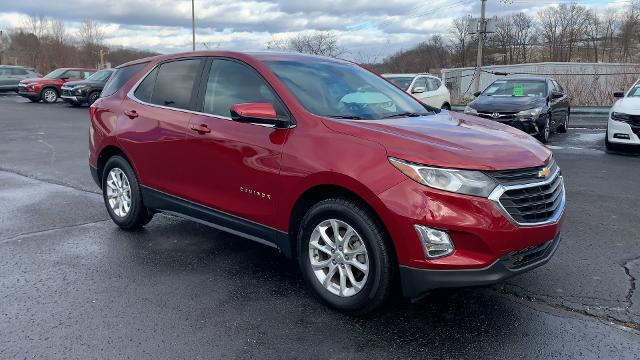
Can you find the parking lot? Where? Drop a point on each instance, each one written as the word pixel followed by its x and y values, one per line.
pixel 72 285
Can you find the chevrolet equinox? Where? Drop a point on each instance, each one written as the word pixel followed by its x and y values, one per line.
pixel 370 190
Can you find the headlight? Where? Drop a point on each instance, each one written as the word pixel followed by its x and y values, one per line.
pixel 469 110
pixel 620 117
pixel 458 181
pixel 531 113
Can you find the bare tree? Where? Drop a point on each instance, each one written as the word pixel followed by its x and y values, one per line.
pixel 460 31
pixel 37 25
pixel 90 33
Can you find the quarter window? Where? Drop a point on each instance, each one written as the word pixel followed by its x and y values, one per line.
pixel 120 77
pixel 175 82
pixel 72 74
pixel 232 83
pixel 145 89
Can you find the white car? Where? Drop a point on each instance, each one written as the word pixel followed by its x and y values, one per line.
pixel 624 119
pixel 426 88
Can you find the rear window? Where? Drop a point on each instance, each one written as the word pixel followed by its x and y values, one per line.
pixel 119 78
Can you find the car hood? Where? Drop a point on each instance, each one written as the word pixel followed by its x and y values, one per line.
pixel 450 140
pixel 627 105
pixel 491 104
pixel 84 82
pixel 41 81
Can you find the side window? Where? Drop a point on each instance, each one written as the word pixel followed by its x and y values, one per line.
pixel 232 83
pixel 420 82
pixel 5 71
pixel 72 74
pixel 174 83
pixel 18 71
pixel 86 74
pixel 144 92
pixel 557 86
pixel 434 84
pixel 120 77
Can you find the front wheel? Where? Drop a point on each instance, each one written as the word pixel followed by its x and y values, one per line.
pixel 543 134
pixel 49 95
pixel 121 194
pixel 92 97
pixel 344 256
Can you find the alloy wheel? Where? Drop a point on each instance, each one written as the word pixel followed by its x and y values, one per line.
pixel 339 258
pixel 118 192
pixel 50 95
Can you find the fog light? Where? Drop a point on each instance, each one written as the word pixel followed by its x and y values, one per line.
pixel 435 243
pixel 622 136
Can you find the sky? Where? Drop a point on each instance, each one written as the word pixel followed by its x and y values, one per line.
pixel 370 29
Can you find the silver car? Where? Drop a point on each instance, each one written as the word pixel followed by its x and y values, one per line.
pixel 10 76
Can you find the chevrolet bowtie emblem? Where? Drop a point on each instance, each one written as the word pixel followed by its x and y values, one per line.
pixel 544 172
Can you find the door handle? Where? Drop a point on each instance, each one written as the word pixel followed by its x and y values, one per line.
pixel 132 114
pixel 201 129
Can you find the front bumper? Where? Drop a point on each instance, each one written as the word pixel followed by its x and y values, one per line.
pixel 73 99
pixel 416 282
pixel 72 96
pixel 616 131
pixel 27 94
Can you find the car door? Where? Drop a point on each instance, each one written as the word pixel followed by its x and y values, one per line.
pixel 563 103
pixel 556 105
pixel 420 90
pixel 437 94
pixel 153 122
pixel 234 167
pixel 5 77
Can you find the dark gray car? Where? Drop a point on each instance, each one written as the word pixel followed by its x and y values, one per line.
pixel 10 76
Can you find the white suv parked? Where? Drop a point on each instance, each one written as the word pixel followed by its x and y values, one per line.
pixel 624 119
pixel 426 88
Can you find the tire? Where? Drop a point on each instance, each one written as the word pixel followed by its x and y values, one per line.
pixel 49 95
pixel 92 97
pixel 446 107
pixel 375 287
pixel 137 215
pixel 565 126
pixel 543 134
pixel 611 146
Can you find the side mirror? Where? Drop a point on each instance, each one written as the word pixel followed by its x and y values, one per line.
pixel 477 93
pixel 557 95
pixel 257 113
pixel 618 94
pixel 418 90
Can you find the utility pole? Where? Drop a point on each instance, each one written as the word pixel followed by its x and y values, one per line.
pixel 101 59
pixel 481 31
pixel 193 23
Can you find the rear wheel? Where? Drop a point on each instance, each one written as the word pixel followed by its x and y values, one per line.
pixel 446 107
pixel 121 194
pixel 49 95
pixel 344 256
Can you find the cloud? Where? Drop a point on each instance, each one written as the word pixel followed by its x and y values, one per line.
pixel 362 25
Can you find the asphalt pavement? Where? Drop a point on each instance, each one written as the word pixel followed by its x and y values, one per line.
pixel 72 285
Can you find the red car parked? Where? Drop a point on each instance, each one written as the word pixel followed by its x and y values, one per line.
pixel 330 164
pixel 47 88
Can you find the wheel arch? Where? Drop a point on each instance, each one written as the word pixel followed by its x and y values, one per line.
pixel 105 154
pixel 318 192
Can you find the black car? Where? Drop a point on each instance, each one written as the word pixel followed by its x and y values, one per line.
pixel 537 106
pixel 85 91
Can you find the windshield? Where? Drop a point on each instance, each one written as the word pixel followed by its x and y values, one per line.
pixel 55 74
pixel 344 90
pixel 102 75
pixel 517 88
pixel 401 82
pixel 635 91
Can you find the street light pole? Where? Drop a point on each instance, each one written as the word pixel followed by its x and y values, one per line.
pixel 193 24
pixel 481 31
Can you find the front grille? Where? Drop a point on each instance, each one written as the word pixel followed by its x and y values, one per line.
pixel 521 176
pixel 534 204
pixel 502 117
pixel 634 120
pixel 66 92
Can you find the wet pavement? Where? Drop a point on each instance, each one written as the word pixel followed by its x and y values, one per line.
pixel 72 285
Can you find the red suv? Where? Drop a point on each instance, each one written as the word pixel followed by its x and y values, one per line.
pixel 48 88
pixel 329 163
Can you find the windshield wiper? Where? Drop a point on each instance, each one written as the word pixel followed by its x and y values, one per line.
pixel 350 117
pixel 405 114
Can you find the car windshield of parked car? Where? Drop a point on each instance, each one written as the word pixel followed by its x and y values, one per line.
pixel 55 74
pixel 102 75
pixel 344 90
pixel 635 91
pixel 402 82
pixel 517 88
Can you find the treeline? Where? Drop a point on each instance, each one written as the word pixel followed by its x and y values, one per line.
pixel 47 44
pixel 569 32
